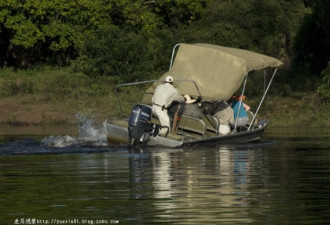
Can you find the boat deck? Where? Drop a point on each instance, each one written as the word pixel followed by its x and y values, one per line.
pixel 186 134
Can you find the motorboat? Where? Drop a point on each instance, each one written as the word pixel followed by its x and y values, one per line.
pixel 206 72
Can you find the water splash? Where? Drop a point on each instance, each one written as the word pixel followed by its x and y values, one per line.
pixel 90 134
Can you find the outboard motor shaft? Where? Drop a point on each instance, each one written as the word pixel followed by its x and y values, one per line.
pixel 139 123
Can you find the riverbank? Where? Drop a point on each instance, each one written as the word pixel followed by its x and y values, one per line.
pixel 30 110
pixel 54 96
pixel 299 110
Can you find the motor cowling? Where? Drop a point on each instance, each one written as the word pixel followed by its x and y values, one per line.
pixel 139 122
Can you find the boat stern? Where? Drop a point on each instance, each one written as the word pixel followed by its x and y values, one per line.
pixel 117 132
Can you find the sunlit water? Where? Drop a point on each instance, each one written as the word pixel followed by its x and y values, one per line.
pixel 283 179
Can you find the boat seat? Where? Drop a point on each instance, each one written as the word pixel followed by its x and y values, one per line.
pixel 212 123
pixel 192 124
pixel 200 126
pixel 196 125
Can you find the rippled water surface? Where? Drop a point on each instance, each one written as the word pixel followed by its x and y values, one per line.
pixel 284 179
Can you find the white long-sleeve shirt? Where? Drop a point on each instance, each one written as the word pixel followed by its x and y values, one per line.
pixel 165 94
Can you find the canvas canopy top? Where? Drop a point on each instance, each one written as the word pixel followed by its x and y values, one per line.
pixel 218 71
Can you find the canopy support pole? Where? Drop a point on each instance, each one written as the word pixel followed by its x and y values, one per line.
pixel 128 84
pixel 263 97
pixel 172 58
pixel 240 103
pixel 146 82
pixel 265 76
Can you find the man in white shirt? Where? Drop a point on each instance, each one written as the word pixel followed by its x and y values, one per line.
pixel 163 97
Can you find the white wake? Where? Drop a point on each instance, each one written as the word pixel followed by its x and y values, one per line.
pixel 90 134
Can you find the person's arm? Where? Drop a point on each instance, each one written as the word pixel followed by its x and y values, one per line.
pixel 178 97
pixel 246 107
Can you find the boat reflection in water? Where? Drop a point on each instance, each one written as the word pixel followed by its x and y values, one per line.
pixel 187 182
pixel 281 180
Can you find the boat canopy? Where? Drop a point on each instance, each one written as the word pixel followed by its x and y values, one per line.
pixel 218 71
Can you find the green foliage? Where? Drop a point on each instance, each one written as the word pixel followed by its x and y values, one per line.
pixel 301 110
pixel 14 83
pixel 56 84
pixel 258 81
pixel 48 30
pixel 121 53
pixel 324 89
pixel 312 46
pixel 127 54
pixel 132 40
pixel 175 13
pixel 53 31
pixel 263 26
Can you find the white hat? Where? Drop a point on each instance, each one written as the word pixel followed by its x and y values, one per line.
pixel 189 100
pixel 169 79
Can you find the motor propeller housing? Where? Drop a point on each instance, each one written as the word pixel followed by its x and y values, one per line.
pixel 139 123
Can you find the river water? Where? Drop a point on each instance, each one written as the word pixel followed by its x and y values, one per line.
pixel 68 179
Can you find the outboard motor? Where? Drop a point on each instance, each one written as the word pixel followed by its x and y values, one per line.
pixel 139 123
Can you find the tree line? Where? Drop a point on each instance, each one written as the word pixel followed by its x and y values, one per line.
pixel 132 40
pixel 54 31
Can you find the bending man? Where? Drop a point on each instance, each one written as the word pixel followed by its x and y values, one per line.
pixel 164 95
pixel 225 115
